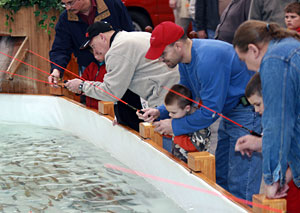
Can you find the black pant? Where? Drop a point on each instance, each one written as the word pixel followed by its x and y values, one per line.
pixel 126 115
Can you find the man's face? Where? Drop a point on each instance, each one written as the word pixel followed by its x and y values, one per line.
pixel 257 101
pixel 292 21
pixel 99 46
pixel 74 6
pixel 170 56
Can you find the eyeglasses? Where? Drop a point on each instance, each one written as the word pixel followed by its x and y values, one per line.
pixel 69 4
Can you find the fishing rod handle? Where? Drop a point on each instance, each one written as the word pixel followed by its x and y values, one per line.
pixel 255 134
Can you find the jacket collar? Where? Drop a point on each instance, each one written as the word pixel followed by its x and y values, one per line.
pixel 102 10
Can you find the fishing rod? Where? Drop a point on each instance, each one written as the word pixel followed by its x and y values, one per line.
pixel 26 77
pixel 220 114
pixel 250 131
pixel 130 106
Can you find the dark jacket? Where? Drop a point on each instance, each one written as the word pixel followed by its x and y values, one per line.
pixel 70 32
pixel 207 14
pixel 235 14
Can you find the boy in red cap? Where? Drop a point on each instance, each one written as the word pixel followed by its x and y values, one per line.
pixel 211 70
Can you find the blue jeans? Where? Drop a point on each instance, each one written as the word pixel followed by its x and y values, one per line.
pixel 81 70
pixel 167 144
pixel 210 33
pixel 240 175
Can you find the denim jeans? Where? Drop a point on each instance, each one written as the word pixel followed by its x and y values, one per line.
pixel 240 175
pixel 210 33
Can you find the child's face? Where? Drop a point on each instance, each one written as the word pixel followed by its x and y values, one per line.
pixel 257 102
pixel 292 21
pixel 176 112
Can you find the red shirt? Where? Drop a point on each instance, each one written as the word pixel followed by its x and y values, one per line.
pixel 293 198
pixel 89 19
pixel 184 142
pixel 93 73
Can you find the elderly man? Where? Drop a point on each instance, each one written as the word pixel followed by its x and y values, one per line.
pixel 72 25
pixel 70 34
pixel 126 65
pixel 213 72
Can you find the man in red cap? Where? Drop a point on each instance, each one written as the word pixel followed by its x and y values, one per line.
pixel 213 72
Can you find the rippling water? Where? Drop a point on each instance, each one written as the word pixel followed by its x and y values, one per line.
pixel 49 170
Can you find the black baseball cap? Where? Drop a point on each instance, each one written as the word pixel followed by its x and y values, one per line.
pixel 94 30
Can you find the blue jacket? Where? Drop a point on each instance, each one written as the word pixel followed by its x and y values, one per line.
pixel 217 77
pixel 280 75
pixel 70 32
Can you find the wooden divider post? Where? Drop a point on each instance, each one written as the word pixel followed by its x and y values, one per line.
pixel 156 137
pixel 57 90
pixel 203 162
pixel 261 199
pixel 147 131
pixel 106 108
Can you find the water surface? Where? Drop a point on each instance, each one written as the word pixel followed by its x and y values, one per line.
pixel 44 169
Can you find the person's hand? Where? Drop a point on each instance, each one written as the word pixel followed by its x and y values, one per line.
pixel 53 77
pixel 164 127
pixel 115 122
pixel 288 175
pixel 172 4
pixel 73 85
pixel 149 115
pixel 202 34
pixel 248 144
pixel 274 191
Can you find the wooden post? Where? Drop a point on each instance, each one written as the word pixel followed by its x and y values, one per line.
pixel 106 108
pixel 145 129
pixel 203 162
pixel 261 199
pixel 57 90
pixel 19 56
pixel 156 137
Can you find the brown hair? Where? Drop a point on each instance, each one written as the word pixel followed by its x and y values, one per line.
pixel 184 37
pixel 258 32
pixel 253 86
pixel 293 8
pixel 171 97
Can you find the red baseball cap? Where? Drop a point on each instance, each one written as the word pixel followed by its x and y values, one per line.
pixel 163 34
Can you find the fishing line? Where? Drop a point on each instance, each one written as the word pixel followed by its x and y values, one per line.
pixel 223 116
pixel 26 77
pixel 24 63
pixel 132 107
pixel 250 131
pixel 156 178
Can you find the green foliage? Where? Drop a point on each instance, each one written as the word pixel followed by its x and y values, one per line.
pixel 44 6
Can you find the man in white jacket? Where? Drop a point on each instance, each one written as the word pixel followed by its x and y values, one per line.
pixel 126 65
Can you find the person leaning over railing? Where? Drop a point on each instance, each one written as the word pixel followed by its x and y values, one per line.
pixel 275 53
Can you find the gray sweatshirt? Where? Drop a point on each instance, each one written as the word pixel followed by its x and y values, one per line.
pixel 127 68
